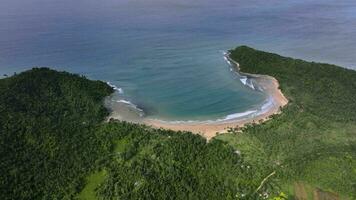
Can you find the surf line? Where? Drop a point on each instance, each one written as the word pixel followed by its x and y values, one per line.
pixel 245 79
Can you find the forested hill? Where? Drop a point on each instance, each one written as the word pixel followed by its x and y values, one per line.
pixel 55 145
pixel 325 90
pixel 47 140
pixel 312 144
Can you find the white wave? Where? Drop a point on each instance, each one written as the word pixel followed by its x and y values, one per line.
pixel 130 104
pixel 124 101
pixel 250 84
pixel 269 103
pixel 246 81
pixel 260 89
pixel 227 59
pixel 243 80
pixel 231 117
pixel 239 115
pixel 119 90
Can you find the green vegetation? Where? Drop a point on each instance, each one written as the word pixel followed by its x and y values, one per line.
pixel 56 145
pixel 93 181
pixel 48 136
pixel 161 164
pixel 314 140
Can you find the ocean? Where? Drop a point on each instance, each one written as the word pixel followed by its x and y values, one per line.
pixel 165 57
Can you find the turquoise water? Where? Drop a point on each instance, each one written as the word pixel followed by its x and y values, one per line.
pixel 167 56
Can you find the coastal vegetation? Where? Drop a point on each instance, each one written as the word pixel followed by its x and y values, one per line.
pixel 48 138
pixel 55 143
pixel 314 139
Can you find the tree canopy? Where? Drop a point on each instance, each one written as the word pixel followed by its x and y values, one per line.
pixel 55 143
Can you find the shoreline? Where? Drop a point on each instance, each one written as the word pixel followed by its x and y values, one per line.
pixel 209 129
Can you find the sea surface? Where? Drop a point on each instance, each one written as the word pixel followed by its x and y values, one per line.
pixel 165 57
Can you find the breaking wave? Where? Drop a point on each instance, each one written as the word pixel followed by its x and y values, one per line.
pixel 248 82
pixel 132 105
pixel 119 90
pixel 244 79
pixel 229 118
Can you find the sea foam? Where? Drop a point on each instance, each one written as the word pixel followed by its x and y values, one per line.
pixel 264 108
pixel 239 115
pixel 131 105
pixel 248 82
pixel 119 90
pixel 268 104
pixel 244 79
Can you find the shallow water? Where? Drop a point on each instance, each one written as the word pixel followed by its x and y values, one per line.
pixel 167 55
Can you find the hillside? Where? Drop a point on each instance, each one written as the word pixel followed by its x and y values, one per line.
pixel 47 133
pixel 55 143
pixel 314 141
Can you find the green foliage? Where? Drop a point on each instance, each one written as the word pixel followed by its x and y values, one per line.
pixel 161 164
pixel 321 89
pixel 47 133
pixel 93 181
pixel 281 196
pixel 54 144
pixel 314 139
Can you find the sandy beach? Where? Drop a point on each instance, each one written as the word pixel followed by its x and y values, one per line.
pixel 210 129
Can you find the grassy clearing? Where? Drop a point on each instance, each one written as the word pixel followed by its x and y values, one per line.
pixel 121 145
pixel 93 181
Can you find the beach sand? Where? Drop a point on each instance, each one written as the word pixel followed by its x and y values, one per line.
pixel 268 84
pixel 210 129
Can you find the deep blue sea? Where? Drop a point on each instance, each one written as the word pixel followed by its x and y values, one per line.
pixel 167 55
